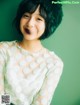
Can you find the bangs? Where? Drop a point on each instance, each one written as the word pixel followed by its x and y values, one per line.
pixel 43 12
pixel 31 8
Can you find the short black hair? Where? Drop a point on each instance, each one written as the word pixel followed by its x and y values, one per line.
pixel 51 12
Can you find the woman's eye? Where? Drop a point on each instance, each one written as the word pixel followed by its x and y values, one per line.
pixel 39 19
pixel 26 16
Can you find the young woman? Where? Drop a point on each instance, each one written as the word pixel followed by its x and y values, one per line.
pixel 29 72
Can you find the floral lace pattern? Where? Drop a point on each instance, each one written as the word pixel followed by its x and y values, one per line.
pixel 29 78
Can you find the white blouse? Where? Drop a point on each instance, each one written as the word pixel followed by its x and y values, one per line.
pixel 29 78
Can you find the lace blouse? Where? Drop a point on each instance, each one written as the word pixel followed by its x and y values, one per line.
pixel 29 78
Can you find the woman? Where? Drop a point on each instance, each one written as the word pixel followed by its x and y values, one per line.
pixel 29 72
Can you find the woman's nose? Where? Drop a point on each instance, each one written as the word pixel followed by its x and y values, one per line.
pixel 30 22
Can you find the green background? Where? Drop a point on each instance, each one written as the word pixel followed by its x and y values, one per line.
pixel 65 43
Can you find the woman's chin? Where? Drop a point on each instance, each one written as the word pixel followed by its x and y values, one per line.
pixel 29 38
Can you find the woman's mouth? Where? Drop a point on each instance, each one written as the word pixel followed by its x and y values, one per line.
pixel 27 31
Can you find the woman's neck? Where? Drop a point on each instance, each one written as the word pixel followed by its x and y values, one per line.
pixel 32 46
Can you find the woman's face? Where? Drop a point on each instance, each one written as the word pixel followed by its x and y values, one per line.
pixel 32 25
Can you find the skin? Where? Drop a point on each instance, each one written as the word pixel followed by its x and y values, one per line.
pixel 35 24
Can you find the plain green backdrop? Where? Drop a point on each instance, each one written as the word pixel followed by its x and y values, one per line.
pixel 65 42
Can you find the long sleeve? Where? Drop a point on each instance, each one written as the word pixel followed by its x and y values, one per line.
pixel 45 95
pixel 2 63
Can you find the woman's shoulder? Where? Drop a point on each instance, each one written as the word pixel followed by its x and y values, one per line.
pixel 54 63
pixel 54 57
pixel 4 45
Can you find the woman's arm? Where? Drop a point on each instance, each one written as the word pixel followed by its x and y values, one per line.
pixel 45 95
pixel 2 64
